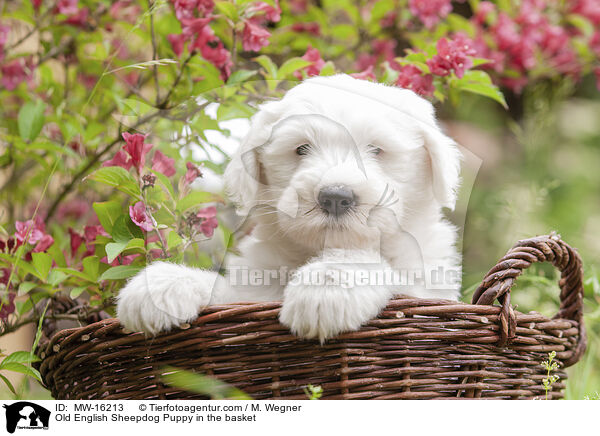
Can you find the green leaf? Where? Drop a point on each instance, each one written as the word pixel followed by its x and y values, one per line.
pixel 76 273
pixel 20 357
pixel 31 120
pixel 25 287
pixel 202 384
pixel 18 367
pixel 119 178
pixel 113 249
pixel 57 255
pixel 485 90
pixel 125 230
pixel 76 292
pixel 164 180
pixel 480 61
pixel 291 66
pixel 476 76
pixel 42 263
pixel 91 267
pixel 582 23
pixel 240 76
pixel 195 198
pixel 173 240
pixel 108 212
pixel 328 69
pixel 120 272
pixel 228 9
pixel 136 244
pixel 56 277
pixel 9 384
pixel 268 65
pixel 233 110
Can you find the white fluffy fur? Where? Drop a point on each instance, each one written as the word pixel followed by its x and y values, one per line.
pixel 397 221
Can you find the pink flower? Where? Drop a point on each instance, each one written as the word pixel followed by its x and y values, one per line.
pixel 410 77
pixel 209 221
pixel 194 26
pixel 298 6
pixel 75 240
pixel 187 8
pixel 44 244
pixel 120 159
pixel 67 7
pixel 389 19
pixel 15 72
pixel 590 9
pixel 452 55
pixel 125 10
pixel 205 7
pixel 313 55
pixel 211 48
pixel 311 28
pixel 8 245
pixel 36 4
pixel 140 217
pixel 555 44
pixel 137 149
pixel 73 209
pixel 430 12
pixel 254 36
pixel 201 38
pixel 366 74
pixel 384 48
pixel 484 9
pixel 177 42
pixel 79 19
pixel 8 306
pixel 35 231
pixel 163 164
pixel 90 233
pixel 192 173
pixel 4 276
pixel 87 80
pixel 219 56
pixel 131 78
pixel 271 13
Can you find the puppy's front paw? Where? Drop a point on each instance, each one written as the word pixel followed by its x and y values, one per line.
pixel 320 303
pixel 162 296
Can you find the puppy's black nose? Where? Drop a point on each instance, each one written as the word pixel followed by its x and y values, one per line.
pixel 336 200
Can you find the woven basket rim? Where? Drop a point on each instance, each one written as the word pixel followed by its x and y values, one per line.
pixel 482 323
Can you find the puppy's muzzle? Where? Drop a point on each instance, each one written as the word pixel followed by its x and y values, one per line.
pixel 336 200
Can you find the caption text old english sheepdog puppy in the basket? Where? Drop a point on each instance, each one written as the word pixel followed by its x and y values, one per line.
pixel 340 176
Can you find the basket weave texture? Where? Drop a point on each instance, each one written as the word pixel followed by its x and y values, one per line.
pixel 415 349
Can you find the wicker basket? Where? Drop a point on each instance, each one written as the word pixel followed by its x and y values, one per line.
pixel 416 348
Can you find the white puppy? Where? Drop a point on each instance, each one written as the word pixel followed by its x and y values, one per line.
pixel 344 181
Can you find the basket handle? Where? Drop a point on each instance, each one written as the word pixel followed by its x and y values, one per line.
pixel 498 281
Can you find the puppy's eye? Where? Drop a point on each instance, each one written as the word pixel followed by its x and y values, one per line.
pixel 375 150
pixel 303 149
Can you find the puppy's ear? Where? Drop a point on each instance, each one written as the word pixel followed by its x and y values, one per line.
pixel 243 173
pixel 445 164
pixel 444 155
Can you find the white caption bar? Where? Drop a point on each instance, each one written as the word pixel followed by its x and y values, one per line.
pixel 337 418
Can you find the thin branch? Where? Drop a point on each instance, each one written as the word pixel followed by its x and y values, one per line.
pixel 165 101
pixel 82 172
